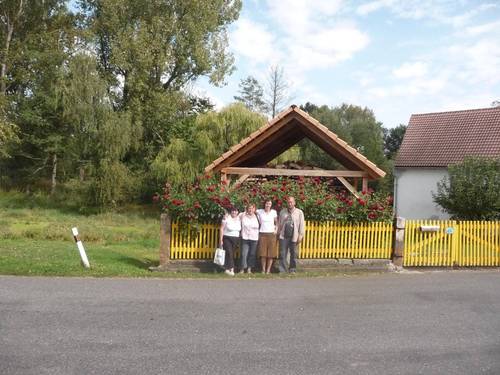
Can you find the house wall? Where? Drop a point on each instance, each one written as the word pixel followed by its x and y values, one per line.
pixel 413 189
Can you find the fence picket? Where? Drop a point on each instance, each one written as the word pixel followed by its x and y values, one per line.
pixel 322 241
pixel 471 243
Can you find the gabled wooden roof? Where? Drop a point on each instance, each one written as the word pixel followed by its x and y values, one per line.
pixel 282 132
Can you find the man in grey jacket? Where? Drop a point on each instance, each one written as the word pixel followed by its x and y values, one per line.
pixel 291 229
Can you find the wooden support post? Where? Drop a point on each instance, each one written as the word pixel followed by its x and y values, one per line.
pixel 365 184
pixel 399 241
pixel 224 180
pixel 165 236
pixel 356 183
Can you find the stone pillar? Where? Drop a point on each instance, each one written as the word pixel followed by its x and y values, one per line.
pixel 165 234
pixel 399 241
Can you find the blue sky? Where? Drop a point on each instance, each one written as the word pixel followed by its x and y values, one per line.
pixel 396 57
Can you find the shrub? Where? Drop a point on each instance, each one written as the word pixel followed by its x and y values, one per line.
pixel 207 199
pixel 472 190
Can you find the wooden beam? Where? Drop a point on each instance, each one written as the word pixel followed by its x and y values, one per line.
pixel 239 181
pixel 344 156
pixel 270 148
pixel 260 135
pixel 348 186
pixel 292 172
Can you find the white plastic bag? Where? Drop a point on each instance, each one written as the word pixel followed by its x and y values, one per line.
pixel 220 257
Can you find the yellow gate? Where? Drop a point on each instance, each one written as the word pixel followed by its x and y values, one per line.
pixel 449 243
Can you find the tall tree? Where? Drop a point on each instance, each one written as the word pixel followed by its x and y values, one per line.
pixel 22 23
pixel 40 46
pixel 150 44
pixel 99 136
pixel 251 94
pixel 277 90
pixel 149 50
pixel 359 128
pixel 392 140
pixel 12 19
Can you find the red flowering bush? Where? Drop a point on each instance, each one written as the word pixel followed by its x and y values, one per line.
pixel 206 199
pixel 369 206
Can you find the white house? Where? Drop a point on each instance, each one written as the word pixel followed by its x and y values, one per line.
pixel 432 142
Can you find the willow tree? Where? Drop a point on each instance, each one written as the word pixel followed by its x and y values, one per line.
pixel 213 134
pixel 100 137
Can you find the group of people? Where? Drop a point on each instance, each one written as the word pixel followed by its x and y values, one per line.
pixel 257 232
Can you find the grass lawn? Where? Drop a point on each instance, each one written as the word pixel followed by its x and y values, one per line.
pixel 36 239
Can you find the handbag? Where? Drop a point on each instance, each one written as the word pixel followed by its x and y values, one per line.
pixel 220 256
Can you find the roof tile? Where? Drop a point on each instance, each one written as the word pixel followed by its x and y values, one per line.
pixel 443 138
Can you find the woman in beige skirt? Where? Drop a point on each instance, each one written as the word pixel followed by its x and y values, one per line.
pixel 268 250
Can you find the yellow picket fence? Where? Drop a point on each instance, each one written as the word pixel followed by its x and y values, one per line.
pixel 322 241
pixel 452 243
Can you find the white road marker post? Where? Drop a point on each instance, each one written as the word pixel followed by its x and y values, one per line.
pixel 79 244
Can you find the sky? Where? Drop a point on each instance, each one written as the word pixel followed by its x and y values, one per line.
pixel 396 57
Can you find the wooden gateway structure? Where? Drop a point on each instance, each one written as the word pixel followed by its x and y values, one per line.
pixel 281 133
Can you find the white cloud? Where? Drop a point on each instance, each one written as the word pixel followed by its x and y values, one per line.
pixel 411 70
pixel 462 19
pixel 479 61
pixel 444 11
pixel 303 36
pixel 292 15
pixel 373 6
pixel 252 40
pixel 456 68
pixel 492 28
pixel 327 48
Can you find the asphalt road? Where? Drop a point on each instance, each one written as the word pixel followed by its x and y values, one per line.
pixel 425 323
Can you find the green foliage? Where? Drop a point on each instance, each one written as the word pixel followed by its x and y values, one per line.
pixel 165 44
pixel 252 95
pixel 472 190
pixel 95 105
pixel 93 97
pixel 32 100
pixel 206 199
pixel 212 134
pixel 355 125
pixel 392 140
pixel 8 136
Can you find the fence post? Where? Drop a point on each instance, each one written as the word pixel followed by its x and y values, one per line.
pixel 399 241
pixel 165 235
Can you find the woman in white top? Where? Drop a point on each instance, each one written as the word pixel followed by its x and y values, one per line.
pixel 267 236
pixel 249 238
pixel 229 236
